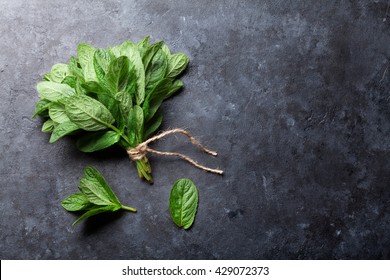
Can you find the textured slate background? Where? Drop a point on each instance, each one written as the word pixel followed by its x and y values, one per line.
pixel 293 94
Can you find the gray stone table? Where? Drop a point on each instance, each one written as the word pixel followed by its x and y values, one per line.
pixel 294 95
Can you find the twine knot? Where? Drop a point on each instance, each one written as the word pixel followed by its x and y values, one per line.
pixel 138 152
pixel 142 150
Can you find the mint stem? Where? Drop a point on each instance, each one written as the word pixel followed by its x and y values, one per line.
pixel 129 208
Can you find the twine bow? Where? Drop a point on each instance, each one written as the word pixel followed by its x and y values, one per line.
pixel 142 149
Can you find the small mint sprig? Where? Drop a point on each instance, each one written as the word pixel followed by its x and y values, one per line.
pixel 95 197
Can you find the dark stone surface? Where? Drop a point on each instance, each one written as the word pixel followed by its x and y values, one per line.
pixel 293 94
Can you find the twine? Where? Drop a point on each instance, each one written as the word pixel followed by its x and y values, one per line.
pixel 142 150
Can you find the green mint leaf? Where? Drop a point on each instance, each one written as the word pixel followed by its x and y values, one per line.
pixel 130 50
pixel 102 60
pixel 91 174
pixel 177 85
pixel 135 125
pixel 156 97
pixel 62 130
pixel 153 124
pixel 96 210
pixel 143 45
pixel 76 202
pixel 85 54
pixel 176 64
pixel 59 72
pixel 96 141
pixel 150 53
pixel 88 113
pixel 183 203
pixel 94 87
pixel 95 193
pixel 166 50
pixel 75 70
pixel 53 91
pixel 48 126
pixel 70 81
pixel 41 108
pixel 156 71
pixel 118 74
pixel 57 113
pixel 125 102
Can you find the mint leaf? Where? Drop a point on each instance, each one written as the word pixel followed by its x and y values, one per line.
pixel 150 53
pixel 130 50
pixel 88 113
pixel 91 174
pixel 96 141
pixel 156 71
pixel 76 202
pixel 62 130
pixel 143 45
pixel 57 113
pixel 59 72
pixel 41 108
pixel 94 192
pixel 85 54
pixel 135 125
pixel 176 64
pixel 183 203
pixel 96 210
pixel 48 126
pixel 154 124
pixel 53 91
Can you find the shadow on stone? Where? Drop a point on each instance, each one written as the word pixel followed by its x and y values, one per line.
pixel 96 223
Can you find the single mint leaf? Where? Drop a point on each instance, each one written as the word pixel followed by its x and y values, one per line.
pixel 85 54
pixel 136 125
pixel 95 193
pixel 166 50
pixel 101 62
pixel 96 210
pixel 53 91
pixel 183 203
pixel 143 45
pixel 177 85
pixel 76 202
pixel 70 81
pixel 150 53
pixel 153 124
pixel 59 72
pixel 41 108
pixel 74 69
pixel 57 113
pixel 62 130
pixel 102 59
pixel 94 87
pixel 96 141
pixel 91 174
pixel 176 64
pixel 118 75
pixel 48 126
pixel 156 71
pixel 88 113
pixel 125 102
pixel 130 50
pixel 156 97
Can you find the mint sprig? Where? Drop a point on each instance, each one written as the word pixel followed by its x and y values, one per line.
pixel 95 197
